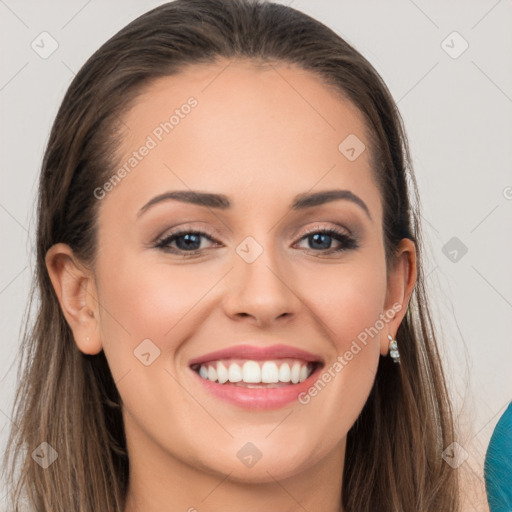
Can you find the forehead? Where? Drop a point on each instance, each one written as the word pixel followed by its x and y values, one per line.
pixel 243 128
pixel 240 91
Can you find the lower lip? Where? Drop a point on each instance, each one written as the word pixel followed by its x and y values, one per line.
pixel 259 398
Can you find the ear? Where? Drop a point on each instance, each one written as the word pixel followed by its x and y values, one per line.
pixel 401 282
pixel 76 291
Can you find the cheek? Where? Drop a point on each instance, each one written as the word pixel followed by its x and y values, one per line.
pixel 149 300
pixel 348 304
pixel 349 299
pixel 146 302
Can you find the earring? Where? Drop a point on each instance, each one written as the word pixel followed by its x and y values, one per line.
pixel 393 349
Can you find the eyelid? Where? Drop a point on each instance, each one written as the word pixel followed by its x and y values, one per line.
pixel 188 228
pixel 324 227
pixel 213 234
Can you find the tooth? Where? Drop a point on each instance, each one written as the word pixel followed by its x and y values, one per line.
pixel 269 373
pixel 203 371
pixel 212 373
pixel 251 372
pixel 222 373
pixel 295 373
pixel 284 372
pixel 234 372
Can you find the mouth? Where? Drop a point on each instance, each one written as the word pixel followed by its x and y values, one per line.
pixel 255 377
pixel 257 374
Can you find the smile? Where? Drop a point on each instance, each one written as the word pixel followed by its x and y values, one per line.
pixel 249 372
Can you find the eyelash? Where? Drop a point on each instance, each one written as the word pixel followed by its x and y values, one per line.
pixel 347 242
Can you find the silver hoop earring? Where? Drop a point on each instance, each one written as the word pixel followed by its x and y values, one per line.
pixel 393 349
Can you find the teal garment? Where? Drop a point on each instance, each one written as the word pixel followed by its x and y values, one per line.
pixel 498 465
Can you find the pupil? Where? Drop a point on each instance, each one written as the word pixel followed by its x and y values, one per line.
pixel 188 239
pixel 317 235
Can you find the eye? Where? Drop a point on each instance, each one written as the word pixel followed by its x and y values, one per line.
pixel 187 241
pixel 321 238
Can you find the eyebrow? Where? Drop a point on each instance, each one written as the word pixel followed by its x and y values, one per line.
pixel 222 202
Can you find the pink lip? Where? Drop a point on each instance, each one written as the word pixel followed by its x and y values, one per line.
pixel 259 398
pixel 257 354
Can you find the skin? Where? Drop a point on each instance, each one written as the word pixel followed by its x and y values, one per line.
pixel 260 136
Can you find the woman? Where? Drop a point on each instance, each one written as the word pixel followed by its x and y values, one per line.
pixel 233 313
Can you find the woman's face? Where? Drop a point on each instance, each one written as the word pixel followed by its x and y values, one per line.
pixel 261 274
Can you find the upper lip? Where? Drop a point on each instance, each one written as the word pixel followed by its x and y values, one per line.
pixel 257 353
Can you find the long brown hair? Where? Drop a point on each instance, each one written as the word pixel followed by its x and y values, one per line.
pixel 69 400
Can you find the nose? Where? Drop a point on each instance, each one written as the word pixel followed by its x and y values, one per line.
pixel 261 291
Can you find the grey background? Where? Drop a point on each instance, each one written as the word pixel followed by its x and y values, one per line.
pixel 457 113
